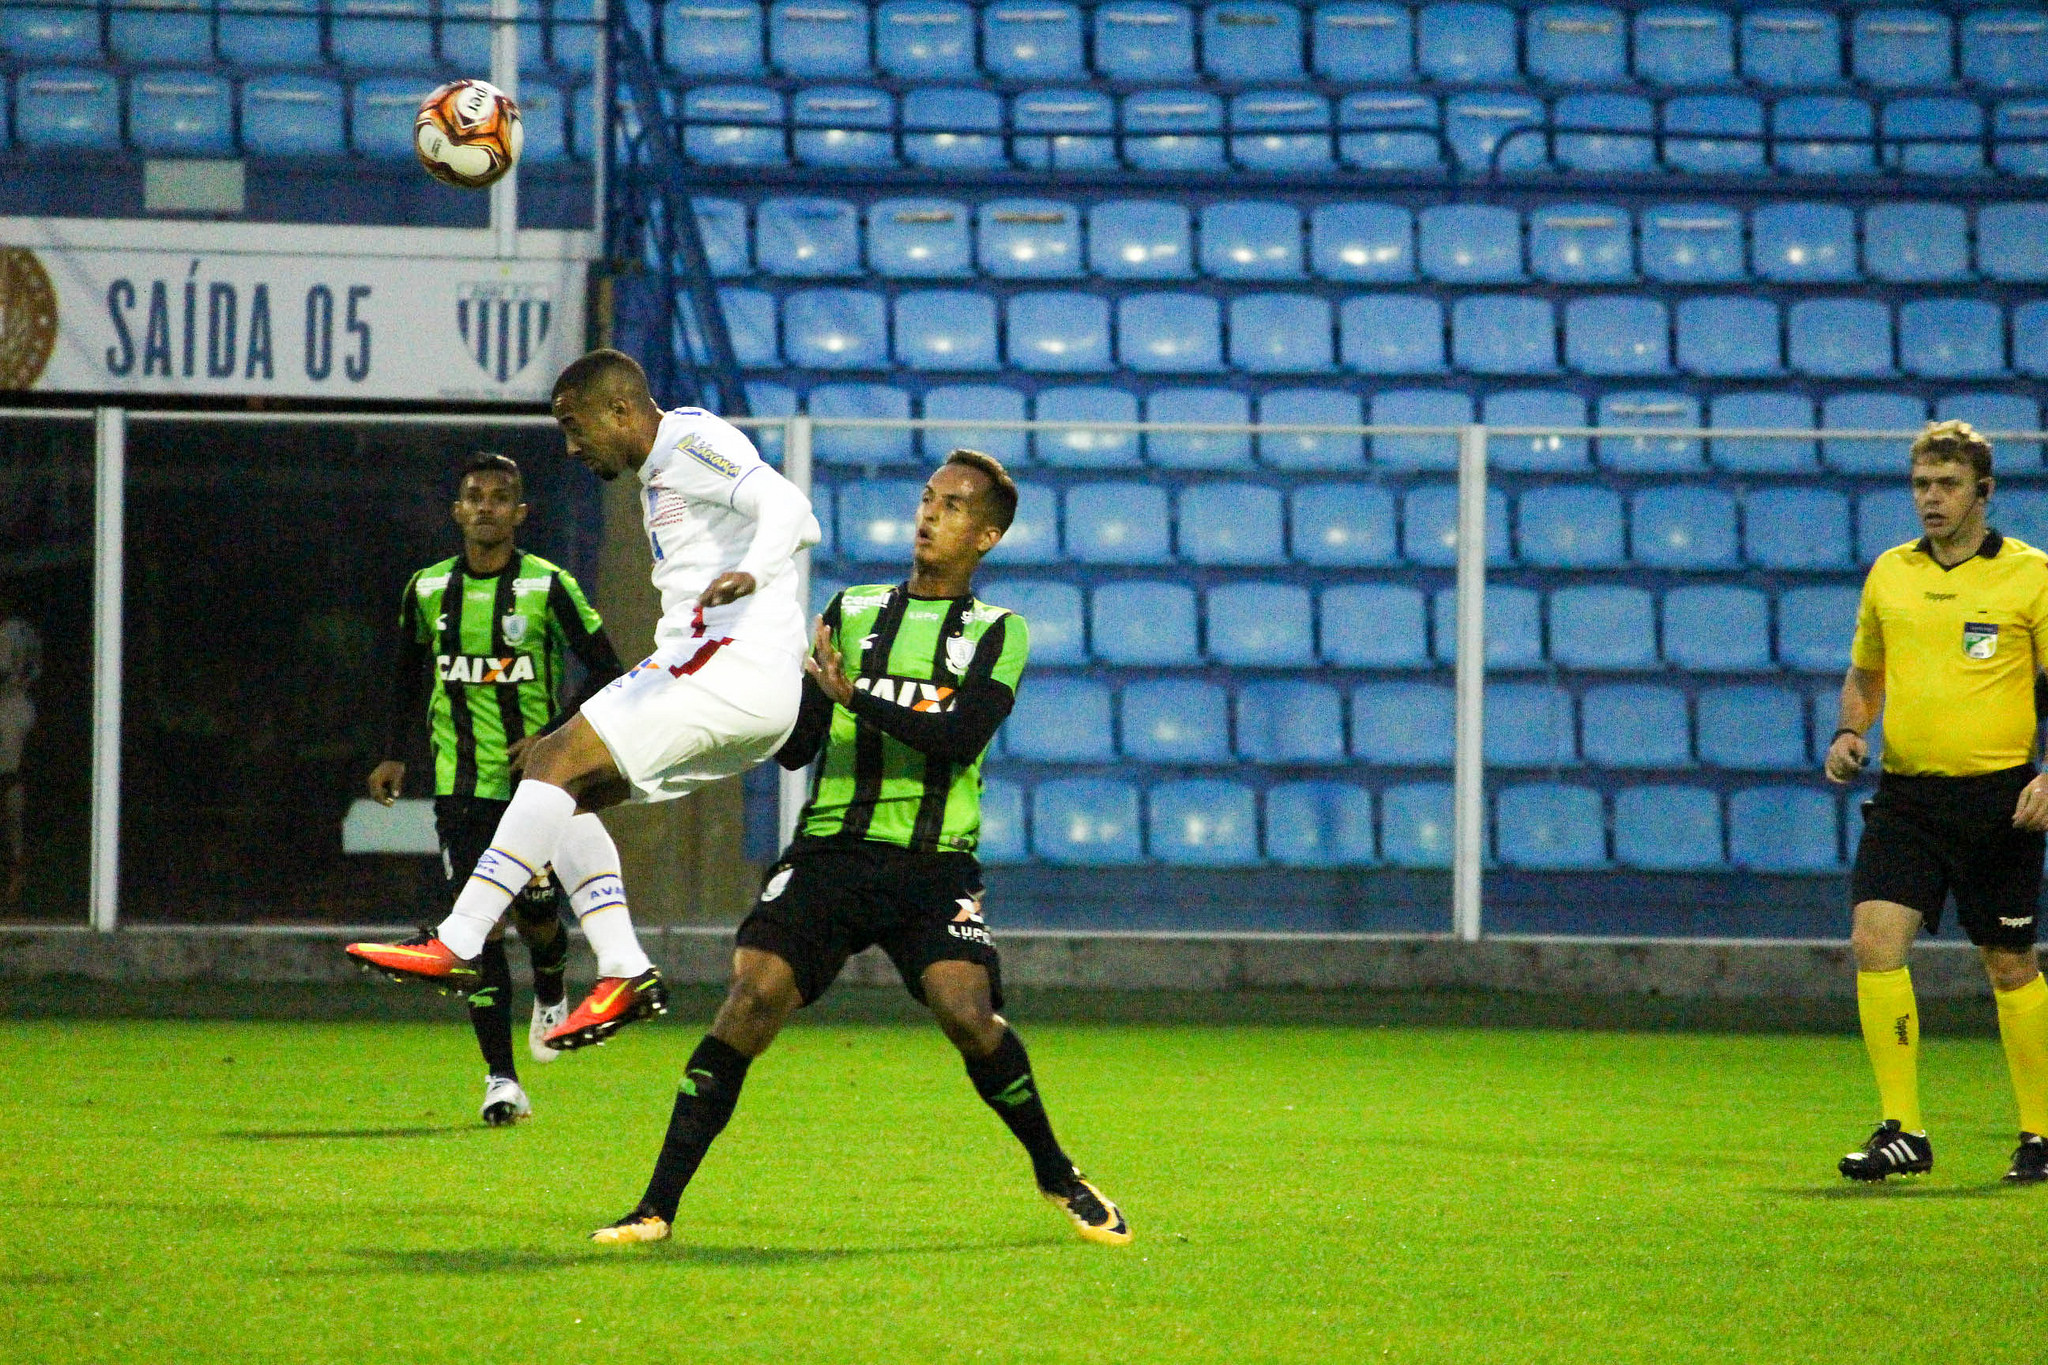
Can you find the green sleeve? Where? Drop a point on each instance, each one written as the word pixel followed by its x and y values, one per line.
pixel 1009 666
pixel 586 615
pixel 410 622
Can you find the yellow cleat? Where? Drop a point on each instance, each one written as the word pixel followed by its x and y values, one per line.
pixel 634 1227
pixel 1095 1217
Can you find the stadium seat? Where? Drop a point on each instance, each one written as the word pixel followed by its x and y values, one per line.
pixel 807 237
pixel 1902 47
pixel 1916 243
pixel 389 35
pixel 1815 626
pixel 1576 45
pixel 1076 122
pixel 1362 242
pixel 1791 47
pixel 1311 407
pixel 296 116
pixel 160 33
pixel 573 37
pixel 1788 455
pixel 1752 729
pixel 721 225
pixel 2023 512
pixel 1034 534
pixel 1028 239
pixel 1402 725
pixel 1800 242
pixel 1118 523
pixel 1418 407
pixel 1636 725
pixel 1289 722
pixel 1603 628
pixel 1819 118
pixel 1884 518
pixel 1728 337
pixel 1551 827
pixel 1470 244
pixel 1718 135
pixel 1684 527
pixel 1144 40
pixel 1952 339
pixel 1868 412
pixel 1647 454
pixel 919 239
pixel 1249 41
pixel 1717 629
pixel 253 33
pixel 1416 824
pixel 1336 524
pixel 835 329
pixel 1251 241
pixel 1840 338
pixel 1060 720
pixel 1198 449
pixel 1085 822
pixel 1169 333
pixel 1002 840
pixel 1389 130
pixel 1144 623
pixel 1031 40
pixel 2005 49
pixel 2030 339
pixel 951 129
pixel 466 40
pixel 1392 334
pixel 1080 446
pixel 1140 239
pixel 1429 526
pixel 1261 625
pixel 1796 528
pixel 972 403
pixel 753 138
pixel 1504 334
pixel 2018 126
pixel 1319 824
pixel 1534 408
pixel 1668 829
pixel 806 38
pixel 33 34
pixel 1374 625
pixel 713 38
pixel 381 117
pixel 1617 335
pixel 1280 131
pixel 1684 45
pixel 1692 244
pixel 1514 628
pixel 750 321
pixel 1617 137
pixel 1173 130
pixel 1059 333
pixel 1231 523
pixel 766 398
pixel 1994 412
pixel 1176 721
pixel 843 126
pixel 181 113
pixel 1203 824
pixel 1280 334
pixel 1529 725
pixel 878 520
pixel 1926 122
pixel 946 329
pixel 1462 43
pixel 1362 40
pixel 863 445
pixel 1785 830
pixel 1570 526
pixel 922 40
pixel 2012 240
pixel 1581 244
pixel 1053 611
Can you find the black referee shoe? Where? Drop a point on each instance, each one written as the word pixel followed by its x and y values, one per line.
pixel 2030 1162
pixel 1891 1151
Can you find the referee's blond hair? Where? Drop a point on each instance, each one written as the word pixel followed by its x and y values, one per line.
pixel 1953 442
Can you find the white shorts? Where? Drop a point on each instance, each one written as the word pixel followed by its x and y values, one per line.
pixel 686 717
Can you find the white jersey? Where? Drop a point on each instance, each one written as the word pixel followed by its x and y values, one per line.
pixel 711 505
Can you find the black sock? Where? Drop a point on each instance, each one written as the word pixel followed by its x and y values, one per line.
pixel 490 1009
pixel 704 1101
pixel 1003 1080
pixel 550 961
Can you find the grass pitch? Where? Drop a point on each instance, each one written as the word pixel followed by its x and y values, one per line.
pixel 322 1192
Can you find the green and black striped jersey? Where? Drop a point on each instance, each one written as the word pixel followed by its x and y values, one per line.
pixel 932 678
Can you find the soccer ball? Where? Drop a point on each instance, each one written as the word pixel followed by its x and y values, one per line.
pixel 468 134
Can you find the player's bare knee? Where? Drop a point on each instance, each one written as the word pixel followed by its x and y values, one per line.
pixel 2010 968
pixel 1881 936
pixel 966 1017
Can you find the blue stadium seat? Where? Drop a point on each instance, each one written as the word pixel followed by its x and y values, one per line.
pixel 1713 125
pixel 765 398
pixel 1514 628
pixel 862 445
pixel 2018 126
pixel 1363 40
pixel 1927 121
pixel 1053 611
pixel 382 34
pixel 1799 242
pixel 1647 454
pixel 2030 339
pixel 1144 623
pixel 1028 239
pixel 1418 407
pixel 258 33
pixel 1169 333
pixel 1392 334
pixel 1245 41
pixel 1952 339
pixel 1311 407
pixel 1429 525
pixel 946 329
pixel 807 237
pixel 1462 43
pixel 1031 40
pixel 1991 412
pixel 1788 411
pixel 182 113
pixel 297 116
pixel 1884 518
pixel 466 39
pixel 1617 335
pixel 951 129
pixel 1550 826
pixel 1416 824
pixel 750 320
pixel 844 126
pixel 1251 241
pixel 1280 334
pixel 1144 40
pixel 1869 412
pixel 1577 45
pixel 923 40
pixel 1570 526
pixel 1034 534
pixel 1231 523
pixel 58 35
pixel 1085 822
pixel 1692 244
pixel 1289 722
pixel 1840 338
pixel 2012 239
pixel 1001 840
pixel 2005 49
pixel 1819 118
pixel 1529 725
pixel 1176 721
pixel 1280 130
pixel 916 239
pixel 1535 408
pixel 1402 724
pixel 1203 824
pixel 1080 446
pixel 1504 334
pixel 1796 528
pixel 1059 333
pixel 1752 728
pixel 1685 45
pixel 1636 725
pixel 1620 142
pixel 381 115
pixel 2023 512
pixel 1198 449
pixel 1729 336
pixel 1902 47
pixel 1118 523
pixel 1717 629
pixel 971 404
pixel 1791 47
pixel 1684 527
pixel 161 33
pixel 1362 242
pixel 1470 244
pixel 1581 244
pixel 1815 626
pixel 1916 243
pixel 1261 625
pixel 543 113
pixel 1374 625
pixel 806 38
pixel 1389 130
pixel 713 38
pixel 835 329
pixel 1074 121
pixel 1173 130
pixel 1784 829
pixel 878 521
pixel 1603 628
pixel 573 37
pixel 752 138
pixel 1667 829
pixel 1140 239
pixel 1060 720
pixel 1319 824
pixel 1338 524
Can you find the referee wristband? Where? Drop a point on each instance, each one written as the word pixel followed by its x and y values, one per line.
pixel 1845 730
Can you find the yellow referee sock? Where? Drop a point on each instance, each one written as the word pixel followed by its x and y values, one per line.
pixel 1891 1031
pixel 2023 1026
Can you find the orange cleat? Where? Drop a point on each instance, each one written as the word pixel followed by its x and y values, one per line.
pixel 420 958
pixel 613 1003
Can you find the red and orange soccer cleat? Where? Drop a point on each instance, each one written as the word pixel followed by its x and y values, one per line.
pixel 613 1003
pixel 420 958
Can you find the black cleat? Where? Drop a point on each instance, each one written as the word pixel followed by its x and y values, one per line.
pixel 2030 1161
pixel 1891 1151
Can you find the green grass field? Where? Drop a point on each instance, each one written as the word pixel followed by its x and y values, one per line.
pixel 195 1191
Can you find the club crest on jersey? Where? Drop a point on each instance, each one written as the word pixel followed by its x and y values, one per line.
pixel 514 627
pixel 475 668
pixel 1980 639
pixel 959 653
pixel 918 696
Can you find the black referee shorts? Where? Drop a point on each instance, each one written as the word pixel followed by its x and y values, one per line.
pixel 1927 838
pixel 466 826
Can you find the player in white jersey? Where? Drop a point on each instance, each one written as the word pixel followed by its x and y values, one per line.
pixel 718 695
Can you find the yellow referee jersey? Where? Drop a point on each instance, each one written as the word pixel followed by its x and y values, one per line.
pixel 1959 648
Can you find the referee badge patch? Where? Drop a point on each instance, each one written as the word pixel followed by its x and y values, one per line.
pixel 1980 639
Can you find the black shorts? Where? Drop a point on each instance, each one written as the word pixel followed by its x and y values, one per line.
pixel 1927 838
pixel 822 904
pixel 466 825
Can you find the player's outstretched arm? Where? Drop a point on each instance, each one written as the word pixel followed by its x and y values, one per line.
pixel 1862 700
pixel 783 523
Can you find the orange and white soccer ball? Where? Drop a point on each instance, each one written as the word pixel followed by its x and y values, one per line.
pixel 468 134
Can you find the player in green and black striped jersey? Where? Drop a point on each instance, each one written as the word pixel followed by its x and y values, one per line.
pixel 493 627
pixel 906 686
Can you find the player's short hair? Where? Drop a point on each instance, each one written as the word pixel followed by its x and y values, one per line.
pixel 490 462
pixel 1954 442
pixel 1002 489
pixel 603 368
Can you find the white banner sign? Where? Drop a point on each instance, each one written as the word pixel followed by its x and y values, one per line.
pixel 82 320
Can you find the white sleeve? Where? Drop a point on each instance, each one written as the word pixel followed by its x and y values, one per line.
pixel 783 523
pixel 709 461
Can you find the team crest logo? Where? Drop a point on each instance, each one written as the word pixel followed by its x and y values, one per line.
pixel 1980 639
pixel 504 325
pixel 959 653
pixel 514 627
pixel 28 318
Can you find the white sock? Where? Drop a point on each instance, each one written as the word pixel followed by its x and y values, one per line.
pixel 587 861
pixel 525 842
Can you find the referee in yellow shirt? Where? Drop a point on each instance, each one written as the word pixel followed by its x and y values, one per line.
pixel 1952 634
